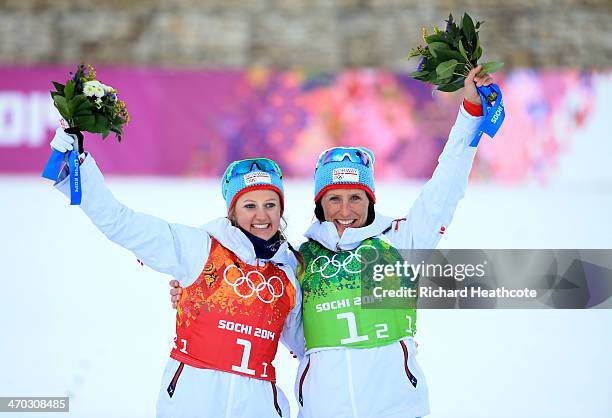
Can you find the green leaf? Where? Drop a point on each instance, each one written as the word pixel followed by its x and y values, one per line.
pixel 430 65
pixel 78 99
pixel 450 87
pixel 490 67
pixel 59 87
pixel 85 104
pixel 118 132
pixel 443 52
pixel 62 106
pixel 450 19
pixel 446 69
pixel 437 37
pixel 438 47
pixel 85 123
pixel 74 104
pixel 432 76
pixel 419 75
pixel 463 52
pixel 101 124
pixel 442 82
pixel 85 112
pixel 477 53
pixel 467 26
pixel 119 121
pixel 69 90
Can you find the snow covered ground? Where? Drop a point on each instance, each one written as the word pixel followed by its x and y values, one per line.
pixel 80 317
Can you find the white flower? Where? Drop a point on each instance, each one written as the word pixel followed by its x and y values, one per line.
pixel 93 88
pixel 93 83
pixel 107 89
pixel 88 90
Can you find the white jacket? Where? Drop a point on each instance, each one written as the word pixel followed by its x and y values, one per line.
pixel 182 251
pixel 372 382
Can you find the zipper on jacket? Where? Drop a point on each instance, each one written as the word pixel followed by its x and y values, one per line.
pixel 413 380
pixel 172 385
pixel 300 398
pixel 349 367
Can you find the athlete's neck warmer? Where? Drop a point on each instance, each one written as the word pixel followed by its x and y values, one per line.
pixel 264 249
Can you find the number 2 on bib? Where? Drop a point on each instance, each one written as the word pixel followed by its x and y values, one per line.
pixel 382 329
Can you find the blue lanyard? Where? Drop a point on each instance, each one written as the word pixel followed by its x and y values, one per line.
pixel 494 114
pixel 52 170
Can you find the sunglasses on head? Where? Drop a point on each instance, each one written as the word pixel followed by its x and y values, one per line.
pixel 241 167
pixel 357 155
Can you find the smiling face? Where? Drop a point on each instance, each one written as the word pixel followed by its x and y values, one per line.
pixel 345 208
pixel 258 212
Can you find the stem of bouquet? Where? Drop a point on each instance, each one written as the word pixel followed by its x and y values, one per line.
pixel 467 66
pixel 79 135
pixel 74 130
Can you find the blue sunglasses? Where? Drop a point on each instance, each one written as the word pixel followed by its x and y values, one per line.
pixel 241 167
pixel 357 155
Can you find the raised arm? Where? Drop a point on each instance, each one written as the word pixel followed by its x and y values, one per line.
pixel 433 210
pixel 174 249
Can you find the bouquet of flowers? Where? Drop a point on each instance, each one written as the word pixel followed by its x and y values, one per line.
pixel 88 105
pixel 449 55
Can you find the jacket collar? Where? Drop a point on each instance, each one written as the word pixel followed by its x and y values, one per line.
pixel 237 242
pixel 326 234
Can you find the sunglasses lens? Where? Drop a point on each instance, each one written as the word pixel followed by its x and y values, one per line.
pixel 254 164
pixel 242 167
pixel 355 155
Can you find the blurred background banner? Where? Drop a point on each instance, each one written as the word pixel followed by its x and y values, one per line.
pixel 194 122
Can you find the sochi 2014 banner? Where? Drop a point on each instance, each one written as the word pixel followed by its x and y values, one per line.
pixel 193 122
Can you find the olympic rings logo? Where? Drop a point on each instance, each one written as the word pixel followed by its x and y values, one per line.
pixel 256 284
pixel 327 267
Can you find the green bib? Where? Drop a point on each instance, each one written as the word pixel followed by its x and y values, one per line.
pixel 333 307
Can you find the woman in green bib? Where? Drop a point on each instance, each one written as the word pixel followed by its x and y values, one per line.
pixel 362 362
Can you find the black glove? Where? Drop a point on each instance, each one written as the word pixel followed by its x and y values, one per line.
pixel 79 135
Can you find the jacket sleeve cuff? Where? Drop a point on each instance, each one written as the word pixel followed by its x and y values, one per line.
pixel 474 109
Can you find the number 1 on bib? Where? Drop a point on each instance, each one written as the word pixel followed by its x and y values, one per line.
pixel 354 337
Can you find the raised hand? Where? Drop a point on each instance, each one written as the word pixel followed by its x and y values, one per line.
pixel 62 141
pixel 474 80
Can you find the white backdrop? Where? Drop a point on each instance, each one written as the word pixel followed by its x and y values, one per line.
pixel 80 317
